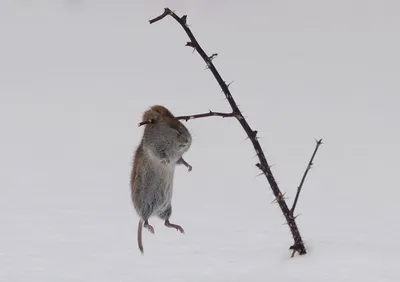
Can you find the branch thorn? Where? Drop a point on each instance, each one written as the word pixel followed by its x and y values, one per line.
pixel 297 216
pixel 258 175
pixel 190 44
pixel 229 84
pixel 183 19
pixel 213 56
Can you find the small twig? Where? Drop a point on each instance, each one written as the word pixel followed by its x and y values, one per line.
pixel 310 163
pixel 209 114
pixel 145 122
pixel 186 118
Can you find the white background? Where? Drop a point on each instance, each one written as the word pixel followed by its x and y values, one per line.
pixel 75 77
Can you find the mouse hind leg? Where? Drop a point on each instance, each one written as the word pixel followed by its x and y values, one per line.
pixel 145 214
pixel 176 226
pixel 166 214
pixel 148 226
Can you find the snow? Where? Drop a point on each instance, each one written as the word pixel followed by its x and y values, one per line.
pixel 75 77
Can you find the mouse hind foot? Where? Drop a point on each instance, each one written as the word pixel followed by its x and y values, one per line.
pixel 166 214
pixel 148 226
pixel 176 226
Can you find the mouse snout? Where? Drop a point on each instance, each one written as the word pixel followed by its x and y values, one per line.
pixel 184 142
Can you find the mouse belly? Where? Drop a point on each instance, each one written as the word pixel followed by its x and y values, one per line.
pixel 153 192
pixel 163 200
pixel 162 193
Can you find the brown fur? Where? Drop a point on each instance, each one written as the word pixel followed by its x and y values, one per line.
pixel 156 112
pixel 161 110
pixel 137 156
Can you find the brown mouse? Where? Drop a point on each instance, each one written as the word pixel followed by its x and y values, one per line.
pixel 165 139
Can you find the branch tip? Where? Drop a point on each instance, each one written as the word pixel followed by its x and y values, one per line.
pixel 167 12
pixel 145 122
pixel 309 166
pixel 319 142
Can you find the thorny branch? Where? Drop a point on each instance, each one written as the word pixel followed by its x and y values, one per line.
pixel 186 118
pixel 310 163
pixel 298 245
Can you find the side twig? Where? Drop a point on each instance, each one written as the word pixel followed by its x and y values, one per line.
pixel 263 165
pixel 310 163
pixel 160 17
pixel 186 118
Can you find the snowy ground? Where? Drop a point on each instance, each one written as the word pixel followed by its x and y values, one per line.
pixel 75 77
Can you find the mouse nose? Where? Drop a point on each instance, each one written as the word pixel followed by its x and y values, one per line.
pixel 184 142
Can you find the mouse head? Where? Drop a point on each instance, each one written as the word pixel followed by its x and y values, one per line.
pixel 158 112
pixel 160 117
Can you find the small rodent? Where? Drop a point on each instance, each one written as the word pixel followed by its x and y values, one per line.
pixel 165 139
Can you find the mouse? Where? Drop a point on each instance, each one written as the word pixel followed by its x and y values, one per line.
pixel 164 142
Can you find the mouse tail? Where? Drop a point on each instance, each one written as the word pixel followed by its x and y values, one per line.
pixel 139 236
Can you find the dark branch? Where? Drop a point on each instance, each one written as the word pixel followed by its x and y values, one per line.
pixel 186 118
pixel 298 245
pixel 160 17
pixel 209 114
pixel 310 163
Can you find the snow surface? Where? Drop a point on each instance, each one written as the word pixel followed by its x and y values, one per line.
pixel 75 77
